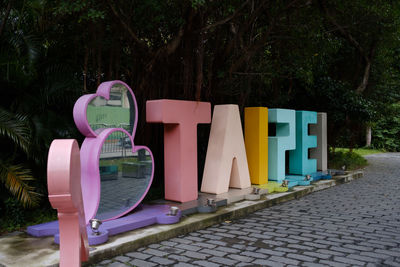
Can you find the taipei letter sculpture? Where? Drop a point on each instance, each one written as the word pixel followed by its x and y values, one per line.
pixel 226 163
pixel 299 161
pixel 256 139
pixel 321 151
pixel 285 139
pixel 180 120
pixel 65 195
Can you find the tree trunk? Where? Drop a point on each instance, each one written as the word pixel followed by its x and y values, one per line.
pixel 368 136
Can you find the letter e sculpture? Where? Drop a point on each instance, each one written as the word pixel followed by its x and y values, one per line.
pixel 321 151
pixel 299 162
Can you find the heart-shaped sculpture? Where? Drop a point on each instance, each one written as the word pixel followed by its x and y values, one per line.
pixel 116 174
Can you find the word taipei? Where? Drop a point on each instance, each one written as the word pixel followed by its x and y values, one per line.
pixel 234 161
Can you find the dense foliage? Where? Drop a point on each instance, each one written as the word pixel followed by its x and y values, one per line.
pixel 338 56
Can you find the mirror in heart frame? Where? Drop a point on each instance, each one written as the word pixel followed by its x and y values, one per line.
pixel 116 174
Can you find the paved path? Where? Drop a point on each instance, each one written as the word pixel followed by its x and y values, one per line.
pixel 348 225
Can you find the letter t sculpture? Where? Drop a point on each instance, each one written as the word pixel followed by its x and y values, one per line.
pixel 180 120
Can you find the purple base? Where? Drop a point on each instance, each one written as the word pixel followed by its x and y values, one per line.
pixel 147 215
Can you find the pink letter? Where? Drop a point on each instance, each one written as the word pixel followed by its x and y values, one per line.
pixel 180 120
pixel 65 195
pixel 226 163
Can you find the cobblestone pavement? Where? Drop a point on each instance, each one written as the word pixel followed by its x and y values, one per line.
pixel 347 225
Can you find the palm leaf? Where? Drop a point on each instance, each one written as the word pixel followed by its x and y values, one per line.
pixel 16 128
pixel 15 178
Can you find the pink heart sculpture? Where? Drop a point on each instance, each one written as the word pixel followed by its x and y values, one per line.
pixel 116 173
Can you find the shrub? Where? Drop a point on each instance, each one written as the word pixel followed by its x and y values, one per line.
pixel 351 160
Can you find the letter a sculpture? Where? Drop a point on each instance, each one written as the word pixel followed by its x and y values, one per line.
pixel 65 195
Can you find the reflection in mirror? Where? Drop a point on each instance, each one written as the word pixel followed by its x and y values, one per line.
pixel 125 175
pixel 117 112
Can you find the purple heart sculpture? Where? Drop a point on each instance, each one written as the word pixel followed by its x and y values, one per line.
pixel 116 174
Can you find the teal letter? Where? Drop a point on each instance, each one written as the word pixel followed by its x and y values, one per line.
pixel 299 162
pixel 285 139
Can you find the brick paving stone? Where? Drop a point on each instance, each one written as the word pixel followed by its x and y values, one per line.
pixel 188 247
pixel 391 263
pixel 228 250
pixel 284 260
pixel 312 264
pixel 239 246
pixel 273 243
pixel 183 264
pixel 240 258
pixel 155 252
pixel 343 249
pixel 301 247
pixel 315 245
pixel 204 245
pixel 248 238
pixel 168 243
pixel 195 238
pixel 213 252
pixel 317 255
pixel 348 261
pixel 250 248
pixel 162 261
pixel 223 261
pixel 333 263
pixel 196 255
pixel 330 252
pixel 267 263
pixel 122 258
pixel 181 240
pixel 179 258
pixel 350 224
pixel 117 264
pixel 364 258
pixel 216 242
pixel 172 249
pixel 154 245
pixel 270 252
pixel 361 248
pixel 388 252
pixel 206 263
pixel 283 249
pixel 141 263
pixel 301 257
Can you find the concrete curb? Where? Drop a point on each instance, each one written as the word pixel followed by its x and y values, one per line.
pixel 127 242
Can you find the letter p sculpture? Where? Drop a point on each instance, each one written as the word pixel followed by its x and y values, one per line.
pixel 65 195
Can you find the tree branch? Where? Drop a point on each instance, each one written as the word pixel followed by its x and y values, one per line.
pixel 3 22
pixel 132 34
pixel 225 20
pixel 342 30
pixel 346 34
